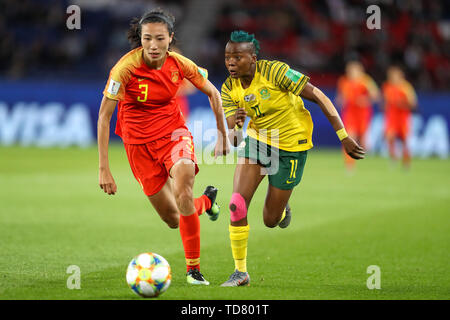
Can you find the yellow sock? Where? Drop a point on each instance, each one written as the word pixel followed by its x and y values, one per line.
pixel 239 239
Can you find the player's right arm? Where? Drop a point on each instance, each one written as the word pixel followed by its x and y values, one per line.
pixel 106 180
pixel 114 91
pixel 234 115
pixel 235 123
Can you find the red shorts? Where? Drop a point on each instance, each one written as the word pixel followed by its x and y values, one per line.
pixel 397 123
pixel 357 120
pixel 151 162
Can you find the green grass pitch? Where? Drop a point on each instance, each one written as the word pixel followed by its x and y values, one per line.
pixel 53 215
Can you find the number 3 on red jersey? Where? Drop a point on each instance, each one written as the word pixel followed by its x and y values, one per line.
pixel 144 92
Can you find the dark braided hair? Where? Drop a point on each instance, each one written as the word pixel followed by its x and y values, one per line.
pixel 155 15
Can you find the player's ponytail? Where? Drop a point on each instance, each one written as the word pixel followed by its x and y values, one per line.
pixel 134 33
pixel 155 15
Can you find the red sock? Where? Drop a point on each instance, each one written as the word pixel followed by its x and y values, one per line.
pixel 406 156
pixel 190 236
pixel 391 147
pixel 349 161
pixel 202 204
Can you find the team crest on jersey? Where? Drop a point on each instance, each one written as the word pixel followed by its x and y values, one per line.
pixel 175 76
pixel 264 92
pixel 249 97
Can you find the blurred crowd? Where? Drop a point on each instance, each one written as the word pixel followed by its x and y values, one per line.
pixel 319 36
pixel 315 36
pixel 36 43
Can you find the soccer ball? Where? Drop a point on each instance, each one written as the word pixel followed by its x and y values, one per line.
pixel 149 275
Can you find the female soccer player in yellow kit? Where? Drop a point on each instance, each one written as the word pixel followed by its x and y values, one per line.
pixel 278 137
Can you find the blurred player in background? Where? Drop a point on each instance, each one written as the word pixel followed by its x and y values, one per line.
pixel 158 144
pixel 399 100
pixel 270 93
pixel 356 91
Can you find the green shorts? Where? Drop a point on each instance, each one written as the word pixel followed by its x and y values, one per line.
pixel 284 168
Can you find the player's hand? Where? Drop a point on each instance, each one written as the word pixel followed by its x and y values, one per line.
pixel 106 182
pixel 222 147
pixel 353 149
pixel 240 117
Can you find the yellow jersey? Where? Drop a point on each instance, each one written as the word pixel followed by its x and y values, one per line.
pixel 272 101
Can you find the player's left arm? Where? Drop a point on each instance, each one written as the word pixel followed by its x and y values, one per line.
pixel 222 147
pixel 314 94
pixel 199 78
pixel 339 100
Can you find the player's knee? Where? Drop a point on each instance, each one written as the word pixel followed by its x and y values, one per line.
pixel 182 197
pixel 172 220
pixel 270 222
pixel 238 208
pixel 185 201
pixel 173 224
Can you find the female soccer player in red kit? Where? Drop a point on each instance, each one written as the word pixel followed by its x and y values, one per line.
pixel 356 93
pixel 399 99
pixel 158 144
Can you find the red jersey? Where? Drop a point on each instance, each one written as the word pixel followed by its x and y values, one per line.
pixel 355 93
pixel 148 108
pixel 357 108
pixel 399 97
